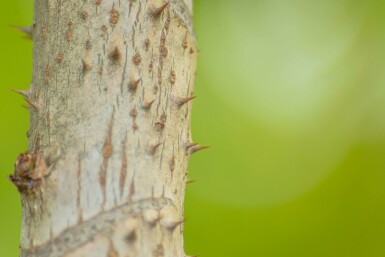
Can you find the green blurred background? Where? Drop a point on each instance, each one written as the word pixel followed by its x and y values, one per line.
pixel 292 101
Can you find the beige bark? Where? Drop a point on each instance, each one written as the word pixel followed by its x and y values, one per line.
pixel 109 138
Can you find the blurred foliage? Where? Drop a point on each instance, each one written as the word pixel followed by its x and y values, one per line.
pixel 291 99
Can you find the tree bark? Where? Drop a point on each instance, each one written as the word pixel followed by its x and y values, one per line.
pixel 109 138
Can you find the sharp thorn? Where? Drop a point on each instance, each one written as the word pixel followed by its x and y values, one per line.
pixel 33 105
pixel 147 104
pixel 24 93
pixel 86 66
pixel 27 30
pixel 158 11
pixel 115 54
pixel 173 225
pixel 131 236
pixel 133 85
pixel 189 145
pixel 134 113
pixel 182 101
pixel 155 147
pixel 197 148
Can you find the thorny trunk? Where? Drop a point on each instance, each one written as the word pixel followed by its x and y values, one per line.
pixel 109 141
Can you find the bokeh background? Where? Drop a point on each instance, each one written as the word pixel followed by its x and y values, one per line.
pixel 292 101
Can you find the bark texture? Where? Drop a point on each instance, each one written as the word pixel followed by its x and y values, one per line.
pixel 109 139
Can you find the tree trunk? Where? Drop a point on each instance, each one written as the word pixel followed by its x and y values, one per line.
pixel 109 139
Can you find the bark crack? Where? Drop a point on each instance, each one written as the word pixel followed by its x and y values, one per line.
pixel 106 152
pixel 80 234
